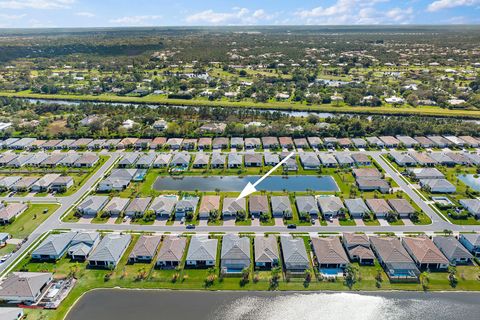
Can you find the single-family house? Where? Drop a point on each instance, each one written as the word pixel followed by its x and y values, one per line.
pixel 231 207
pixel 328 160
pixel 471 241
pixel 145 249
pixel 252 143
pixel 145 161
pixel 86 160
pixel 137 207
pixel 425 254
pixel 171 251
pixel 266 251
pixel 82 245
pixel 218 160
pixel 164 205
pixel 181 159
pixel 358 248
pixel 54 246
pixel 9 212
pixel 379 207
pixel 357 208
pixel 237 142
pixel 204 143
pixel 309 160
pixel 209 204
pixel 393 257
pixel 185 206
pixel 45 182
pixel 294 255
pixel 162 160
pixel 201 160
pixel 253 159
pixel 281 206
pixel 202 252
pixel 271 159
pixel 438 185
pixel 453 250
pixel 109 251
pixel 472 206
pixel 425 173
pixel 329 253
pixel 92 205
pixel 235 160
pixel 307 205
pixel 330 207
pixel 258 205
pixel 401 207
pixel 219 143
pixel 25 287
pixel 235 253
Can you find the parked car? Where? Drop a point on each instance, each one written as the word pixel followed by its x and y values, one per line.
pixel 190 226
pixel 292 226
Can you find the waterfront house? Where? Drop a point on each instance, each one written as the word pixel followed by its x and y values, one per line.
pixel 358 248
pixel 266 251
pixel 328 160
pixel 253 159
pixel 202 252
pixel 145 249
pixel 235 253
pixel 231 207
pixel 218 160
pixel 306 205
pixel 171 251
pixel 294 255
pixel 271 159
pixel 330 207
pixel 181 159
pixel 281 206
pixel 164 205
pixel 393 257
pixel 425 254
pixel 209 204
pixel 258 205
pixel 329 254
pixel 82 245
pixel 201 160
pixel 453 250
pixel 357 207
pixel 109 251
pixel 185 206
pixel 25 287
pixel 234 160
pixel 309 160
pixel 366 184
pixel 54 246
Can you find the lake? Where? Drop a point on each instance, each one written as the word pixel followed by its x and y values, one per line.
pixel 233 183
pixel 471 181
pixel 141 304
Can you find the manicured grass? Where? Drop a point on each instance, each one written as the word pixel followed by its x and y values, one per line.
pixel 7 249
pixel 28 221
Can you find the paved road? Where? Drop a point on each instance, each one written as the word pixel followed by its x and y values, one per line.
pixel 66 203
pixel 53 222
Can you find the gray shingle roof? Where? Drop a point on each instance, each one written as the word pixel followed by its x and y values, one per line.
pixel 111 248
pixel 202 249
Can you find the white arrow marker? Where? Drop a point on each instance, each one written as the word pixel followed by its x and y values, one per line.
pixel 250 188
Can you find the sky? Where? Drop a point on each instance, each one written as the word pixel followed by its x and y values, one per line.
pixel 120 13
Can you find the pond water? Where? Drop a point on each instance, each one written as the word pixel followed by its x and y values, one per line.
pixel 471 181
pixel 233 183
pixel 141 304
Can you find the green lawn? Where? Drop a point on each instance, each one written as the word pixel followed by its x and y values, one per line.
pixel 28 221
